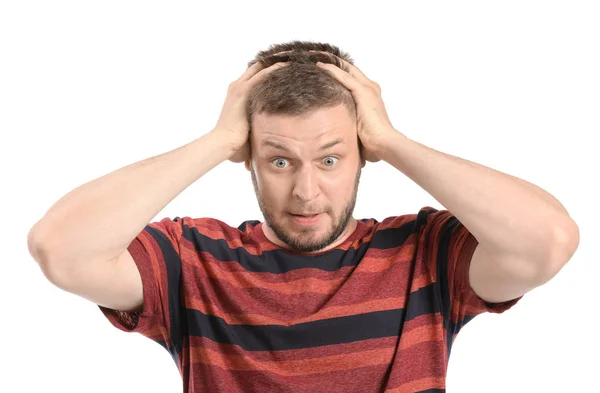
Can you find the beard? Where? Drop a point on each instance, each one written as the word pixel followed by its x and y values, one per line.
pixel 300 243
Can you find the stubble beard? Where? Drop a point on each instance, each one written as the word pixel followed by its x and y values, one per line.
pixel 305 242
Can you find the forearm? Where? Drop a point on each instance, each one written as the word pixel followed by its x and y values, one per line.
pixel 100 218
pixel 507 215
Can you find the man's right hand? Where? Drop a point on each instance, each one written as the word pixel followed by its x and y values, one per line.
pixel 233 119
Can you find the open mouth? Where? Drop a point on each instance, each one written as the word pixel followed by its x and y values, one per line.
pixel 306 219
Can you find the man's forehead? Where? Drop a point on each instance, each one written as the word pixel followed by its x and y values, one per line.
pixel 325 143
pixel 318 130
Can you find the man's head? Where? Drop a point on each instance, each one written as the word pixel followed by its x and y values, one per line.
pixel 305 152
pixel 302 86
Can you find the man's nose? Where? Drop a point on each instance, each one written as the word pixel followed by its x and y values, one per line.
pixel 306 187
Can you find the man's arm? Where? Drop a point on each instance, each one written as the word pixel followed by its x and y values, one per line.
pixel 525 235
pixel 98 220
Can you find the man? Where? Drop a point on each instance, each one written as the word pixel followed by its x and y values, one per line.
pixel 311 299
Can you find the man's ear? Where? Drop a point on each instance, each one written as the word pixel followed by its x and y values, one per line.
pixel 361 159
pixel 247 164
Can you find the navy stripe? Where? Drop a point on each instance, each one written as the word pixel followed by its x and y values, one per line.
pixel 451 327
pixel 331 331
pixel 442 281
pixel 176 312
pixel 280 261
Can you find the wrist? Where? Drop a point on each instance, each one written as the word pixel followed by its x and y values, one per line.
pixel 387 141
pixel 229 139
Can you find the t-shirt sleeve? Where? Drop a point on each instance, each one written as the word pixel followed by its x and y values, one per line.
pixel 450 247
pixel 156 253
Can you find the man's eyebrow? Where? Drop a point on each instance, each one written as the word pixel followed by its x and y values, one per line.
pixel 280 146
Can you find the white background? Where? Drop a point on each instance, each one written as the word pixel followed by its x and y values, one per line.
pixel 89 87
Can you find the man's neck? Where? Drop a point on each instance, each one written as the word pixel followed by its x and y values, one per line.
pixel 272 237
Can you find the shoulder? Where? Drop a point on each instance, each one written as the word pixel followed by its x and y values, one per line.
pixel 410 220
pixel 406 229
pixel 213 228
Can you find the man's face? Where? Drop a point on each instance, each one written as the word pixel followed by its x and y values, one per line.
pixel 303 176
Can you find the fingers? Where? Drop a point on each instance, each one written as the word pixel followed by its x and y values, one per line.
pixel 252 77
pixel 353 70
pixel 260 75
pixel 352 79
pixel 350 82
pixel 257 69
pixel 356 73
pixel 253 69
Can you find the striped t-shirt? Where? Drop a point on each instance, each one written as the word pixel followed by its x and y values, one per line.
pixel 237 313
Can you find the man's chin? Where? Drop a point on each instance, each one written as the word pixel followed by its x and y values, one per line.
pixel 308 239
pixel 307 247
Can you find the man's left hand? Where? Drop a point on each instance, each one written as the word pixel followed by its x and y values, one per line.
pixel 373 123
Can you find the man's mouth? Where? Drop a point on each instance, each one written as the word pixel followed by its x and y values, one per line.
pixel 309 219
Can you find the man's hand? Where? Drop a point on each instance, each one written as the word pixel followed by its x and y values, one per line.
pixel 234 116
pixel 373 123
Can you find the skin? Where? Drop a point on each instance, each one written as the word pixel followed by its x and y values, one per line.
pixel 304 179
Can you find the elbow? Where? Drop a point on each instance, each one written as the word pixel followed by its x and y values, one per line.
pixel 565 244
pixel 34 245
pixel 39 252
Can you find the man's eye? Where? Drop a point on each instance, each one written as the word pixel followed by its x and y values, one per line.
pixel 278 162
pixel 330 161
